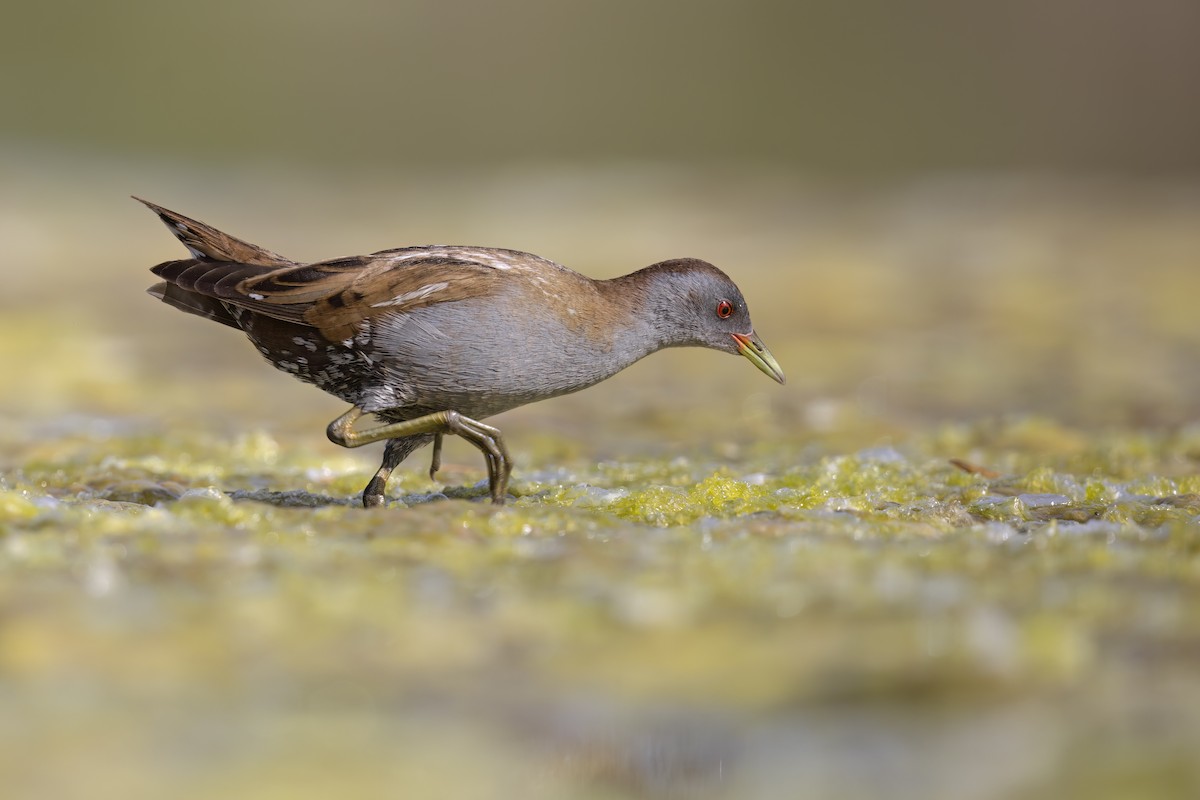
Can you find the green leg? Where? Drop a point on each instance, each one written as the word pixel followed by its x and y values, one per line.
pixel 485 437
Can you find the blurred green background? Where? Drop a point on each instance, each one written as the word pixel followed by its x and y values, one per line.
pixel 934 207
pixel 967 230
pixel 860 89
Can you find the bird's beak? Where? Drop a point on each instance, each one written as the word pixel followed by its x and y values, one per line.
pixel 751 347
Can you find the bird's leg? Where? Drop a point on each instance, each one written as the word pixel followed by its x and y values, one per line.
pixel 488 439
pixel 436 463
pixel 373 495
pixel 394 452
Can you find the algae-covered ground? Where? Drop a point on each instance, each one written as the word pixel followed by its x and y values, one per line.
pixel 957 556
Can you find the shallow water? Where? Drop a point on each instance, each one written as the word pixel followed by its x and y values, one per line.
pixel 704 585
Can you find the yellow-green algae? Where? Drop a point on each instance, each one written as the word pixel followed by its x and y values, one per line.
pixel 206 578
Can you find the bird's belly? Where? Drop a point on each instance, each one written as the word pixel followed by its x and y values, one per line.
pixel 479 363
pixel 451 382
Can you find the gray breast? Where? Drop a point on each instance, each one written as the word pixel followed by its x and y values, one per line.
pixel 481 357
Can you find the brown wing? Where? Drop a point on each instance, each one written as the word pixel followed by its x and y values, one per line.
pixel 332 296
pixel 336 296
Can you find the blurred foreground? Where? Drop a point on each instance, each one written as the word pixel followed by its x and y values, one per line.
pixel 708 586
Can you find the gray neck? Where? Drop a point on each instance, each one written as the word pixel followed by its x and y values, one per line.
pixel 654 310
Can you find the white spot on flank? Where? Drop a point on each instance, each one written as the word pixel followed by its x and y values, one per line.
pixel 363 337
pixel 254 296
pixel 307 344
pixel 416 294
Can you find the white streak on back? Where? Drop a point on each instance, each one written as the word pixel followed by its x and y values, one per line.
pixel 416 294
pixel 487 259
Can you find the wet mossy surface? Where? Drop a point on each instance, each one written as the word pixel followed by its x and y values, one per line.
pixel 627 625
pixel 702 585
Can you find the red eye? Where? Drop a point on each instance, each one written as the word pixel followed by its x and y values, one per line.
pixel 724 309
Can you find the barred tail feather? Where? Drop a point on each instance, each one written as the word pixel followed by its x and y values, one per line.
pixel 206 243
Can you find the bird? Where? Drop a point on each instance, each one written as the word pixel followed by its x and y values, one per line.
pixel 431 340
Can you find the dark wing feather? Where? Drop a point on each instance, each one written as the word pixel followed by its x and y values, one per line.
pixel 192 303
pixel 219 281
pixel 334 296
